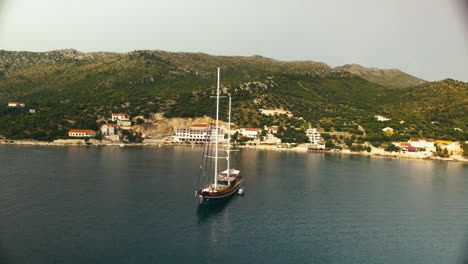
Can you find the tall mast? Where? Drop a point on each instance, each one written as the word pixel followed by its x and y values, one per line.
pixel 229 137
pixel 216 134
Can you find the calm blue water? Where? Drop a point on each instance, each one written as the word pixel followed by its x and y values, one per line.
pixel 136 205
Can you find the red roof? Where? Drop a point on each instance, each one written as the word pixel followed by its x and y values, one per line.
pixel 251 129
pixel 81 131
pixel 429 140
pixel 200 125
pixel 415 139
pixel 118 114
pixel 273 127
pixel 405 144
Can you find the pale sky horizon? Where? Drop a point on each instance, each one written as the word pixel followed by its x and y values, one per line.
pixel 428 39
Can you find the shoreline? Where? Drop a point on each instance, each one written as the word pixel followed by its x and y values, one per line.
pixel 301 148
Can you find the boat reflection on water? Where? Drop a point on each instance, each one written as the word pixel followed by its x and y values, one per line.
pixel 213 208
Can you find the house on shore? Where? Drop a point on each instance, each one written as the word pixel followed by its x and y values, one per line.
pixel 111 132
pixel 250 132
pixel 422 143
pixel 315 139
pixel 452 147
pixel 314 136
pixel 81 133
pixel 198 133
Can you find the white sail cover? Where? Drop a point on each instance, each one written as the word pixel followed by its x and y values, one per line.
pixel 231 172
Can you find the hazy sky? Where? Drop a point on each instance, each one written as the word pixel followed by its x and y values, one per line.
pixel 426 38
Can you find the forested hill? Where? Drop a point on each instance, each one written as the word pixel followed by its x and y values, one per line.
pixel 71 89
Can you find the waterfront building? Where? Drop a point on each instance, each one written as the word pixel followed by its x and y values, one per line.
pixel 313 135
pixel 250 132
pixel 111 132
pixel 198 133
pixel 427 143
pixel 451 146
pixel 81 133
pixel 315 138
pixel 119 116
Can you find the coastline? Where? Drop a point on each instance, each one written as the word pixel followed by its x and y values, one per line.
pixel 301 148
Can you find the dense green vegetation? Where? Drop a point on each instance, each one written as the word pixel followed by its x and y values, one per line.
pixel 70 89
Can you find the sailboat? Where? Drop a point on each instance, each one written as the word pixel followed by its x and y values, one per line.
pixel 227 182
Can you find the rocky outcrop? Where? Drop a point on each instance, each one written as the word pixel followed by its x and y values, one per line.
pixel 159 126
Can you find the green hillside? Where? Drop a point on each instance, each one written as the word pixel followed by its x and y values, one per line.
pixel 71 89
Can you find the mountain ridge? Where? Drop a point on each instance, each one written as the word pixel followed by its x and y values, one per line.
pixel 372 74
pixel 72 89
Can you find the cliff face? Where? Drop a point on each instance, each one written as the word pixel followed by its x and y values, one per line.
pixel 159 126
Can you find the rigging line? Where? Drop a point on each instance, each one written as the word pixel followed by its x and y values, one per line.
pixel 204 165
pixel 209 148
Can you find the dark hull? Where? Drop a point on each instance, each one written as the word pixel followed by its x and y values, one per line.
pixel 221 194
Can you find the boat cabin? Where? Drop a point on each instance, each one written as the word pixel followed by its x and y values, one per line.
pixel 232 173
pixel 226 181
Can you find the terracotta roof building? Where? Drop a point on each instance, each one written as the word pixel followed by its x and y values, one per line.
pixel 81 133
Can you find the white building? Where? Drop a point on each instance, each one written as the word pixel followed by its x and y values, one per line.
pixel 314 136
pixel 271 129
pixel 275 112
pixel 81 133
pixel 111 132
pixel 422 143
pixel 109 129
pixel 387 129
pixel 451 146
pixel 198 133
pixel 382 118
pixel 15 104
pixel 119 116
pixel 250 132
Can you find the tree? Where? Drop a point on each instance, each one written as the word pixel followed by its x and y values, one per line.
pixel 329 144
pixel 135 138
pixel 445 152
pixel 392 148
pixel 98 135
